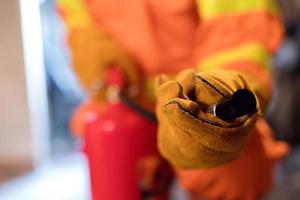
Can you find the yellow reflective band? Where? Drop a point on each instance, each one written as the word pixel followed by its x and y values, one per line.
pixel 75 13
pixel 249 52
pixel 213 8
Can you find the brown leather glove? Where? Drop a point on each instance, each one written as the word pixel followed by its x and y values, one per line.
pixel 188 136
pixel 155 177
pixel 93 52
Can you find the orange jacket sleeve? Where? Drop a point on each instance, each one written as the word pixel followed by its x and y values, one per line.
pixel 239 35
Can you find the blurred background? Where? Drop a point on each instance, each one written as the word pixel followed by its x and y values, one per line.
pixel 39 158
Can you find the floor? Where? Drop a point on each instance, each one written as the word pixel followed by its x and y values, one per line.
pixel 67 178
pixel 64 179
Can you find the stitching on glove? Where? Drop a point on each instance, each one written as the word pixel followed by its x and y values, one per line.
pixel 211 86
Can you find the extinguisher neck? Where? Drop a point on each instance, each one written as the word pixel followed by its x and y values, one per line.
pixel 116 82
pixel 113 94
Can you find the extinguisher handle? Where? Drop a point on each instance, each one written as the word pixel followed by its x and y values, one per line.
pixel 115 77
pixel 116 80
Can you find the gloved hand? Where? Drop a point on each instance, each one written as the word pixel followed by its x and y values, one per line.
pixel 155 177
pixel 93 53
pixel 188 136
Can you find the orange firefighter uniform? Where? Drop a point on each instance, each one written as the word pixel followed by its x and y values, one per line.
pixel 147 38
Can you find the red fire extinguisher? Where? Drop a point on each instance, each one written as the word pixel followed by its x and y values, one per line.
pixel 116 142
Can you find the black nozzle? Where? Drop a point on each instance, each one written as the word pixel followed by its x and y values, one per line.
pixel 242 102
